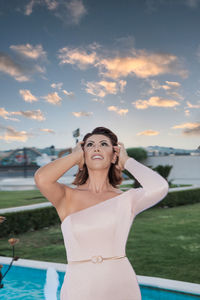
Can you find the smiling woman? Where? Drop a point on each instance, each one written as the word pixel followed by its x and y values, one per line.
pixel 96 217
pixel 100 141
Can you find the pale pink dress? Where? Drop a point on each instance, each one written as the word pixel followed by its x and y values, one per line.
pixel 103 229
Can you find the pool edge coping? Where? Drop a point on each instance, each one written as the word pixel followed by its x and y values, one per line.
pixel 156 282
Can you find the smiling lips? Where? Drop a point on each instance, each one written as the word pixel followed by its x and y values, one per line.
pixel 97 156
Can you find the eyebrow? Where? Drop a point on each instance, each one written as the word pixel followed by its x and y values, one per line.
pixel 100 141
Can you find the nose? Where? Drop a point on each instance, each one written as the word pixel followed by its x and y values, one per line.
pixel 96 147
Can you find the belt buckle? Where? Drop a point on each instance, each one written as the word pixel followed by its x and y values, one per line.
pixel 97 259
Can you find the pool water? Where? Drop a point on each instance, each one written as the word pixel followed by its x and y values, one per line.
pixel 22 283
pixel 26 283
pixel 151 293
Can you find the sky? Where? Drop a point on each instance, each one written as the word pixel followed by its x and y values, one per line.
pixel 132 66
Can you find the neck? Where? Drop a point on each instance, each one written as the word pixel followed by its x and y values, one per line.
pixel 98 181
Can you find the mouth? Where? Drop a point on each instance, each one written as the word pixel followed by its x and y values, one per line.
pixel 97 157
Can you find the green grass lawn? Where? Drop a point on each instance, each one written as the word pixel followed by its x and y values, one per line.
pixel 19 198
pixel 163 242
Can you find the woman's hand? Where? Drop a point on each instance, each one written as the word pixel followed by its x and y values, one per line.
pixel 122 154
pixel 78 151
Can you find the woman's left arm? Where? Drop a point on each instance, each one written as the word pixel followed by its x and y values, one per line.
pixel 154 186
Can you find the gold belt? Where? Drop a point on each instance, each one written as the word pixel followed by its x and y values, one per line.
pixel 96 259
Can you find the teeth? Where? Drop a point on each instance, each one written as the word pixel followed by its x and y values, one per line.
pixel 97 156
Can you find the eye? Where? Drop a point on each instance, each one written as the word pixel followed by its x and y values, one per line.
pixel 89 144
pixel 105 143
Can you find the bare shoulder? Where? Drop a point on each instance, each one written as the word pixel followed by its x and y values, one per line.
pixel 117 190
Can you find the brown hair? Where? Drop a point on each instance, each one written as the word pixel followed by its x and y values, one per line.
pixel 114 174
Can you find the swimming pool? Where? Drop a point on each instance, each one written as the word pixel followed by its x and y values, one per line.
pixel 25 283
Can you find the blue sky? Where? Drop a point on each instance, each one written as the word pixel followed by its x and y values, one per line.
pixel 131 66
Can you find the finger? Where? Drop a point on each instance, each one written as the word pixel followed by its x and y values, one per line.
pixel 116 149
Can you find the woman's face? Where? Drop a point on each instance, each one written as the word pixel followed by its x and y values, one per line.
pixel 98 144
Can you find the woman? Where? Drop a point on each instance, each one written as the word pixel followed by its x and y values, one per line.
pixel 96 216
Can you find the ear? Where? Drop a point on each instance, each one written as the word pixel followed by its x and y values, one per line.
pixel 114 158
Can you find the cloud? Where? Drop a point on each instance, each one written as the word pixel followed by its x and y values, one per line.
pixel 189 128
pixel 153 5
pixel 50 5
pixel 175 94
pixel 77 57
pixel 119 111
pixel 148 132
pixel 122 84
pixel 9 67
pixel 82 114
pixel 139 63
pixel 103 87
pixel 170 87
pixel 47 130
pixel 155 101
pixel 27 96
pixel 29 8
pixel 57 85
pixel 190 105
pixel 76 10
pixel 68 11
pixel 69 94
pixel 53 98
pixel 192 3
pixel 11 134
pixel 187 112
pixel 31 114
pixel 173 84
pixel 30 51
pixel 5 114
pixel 20 71
pixel 98 100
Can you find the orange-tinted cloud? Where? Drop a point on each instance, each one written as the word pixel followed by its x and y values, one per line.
pixel 57 85
pixel 140 63
pixel 5 114
pixel 47 130
pixel 119 111
pixel 29 51
pixel 148 132
pixel 10 67
pixel 77 57
pixel 190 105
pixel 53 98
pixel 30 114
pixel 27 96
pixel 69 94
pixel 103 87
pixel 155 101
pixel 189 128
pixel 79 114
pixel 11 134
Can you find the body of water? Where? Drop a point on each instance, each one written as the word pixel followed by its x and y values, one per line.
pixel 22 283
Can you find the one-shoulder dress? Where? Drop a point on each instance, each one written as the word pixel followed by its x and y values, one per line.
pixel 101 231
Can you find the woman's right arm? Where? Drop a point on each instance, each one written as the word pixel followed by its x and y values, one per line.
pixel 46 177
